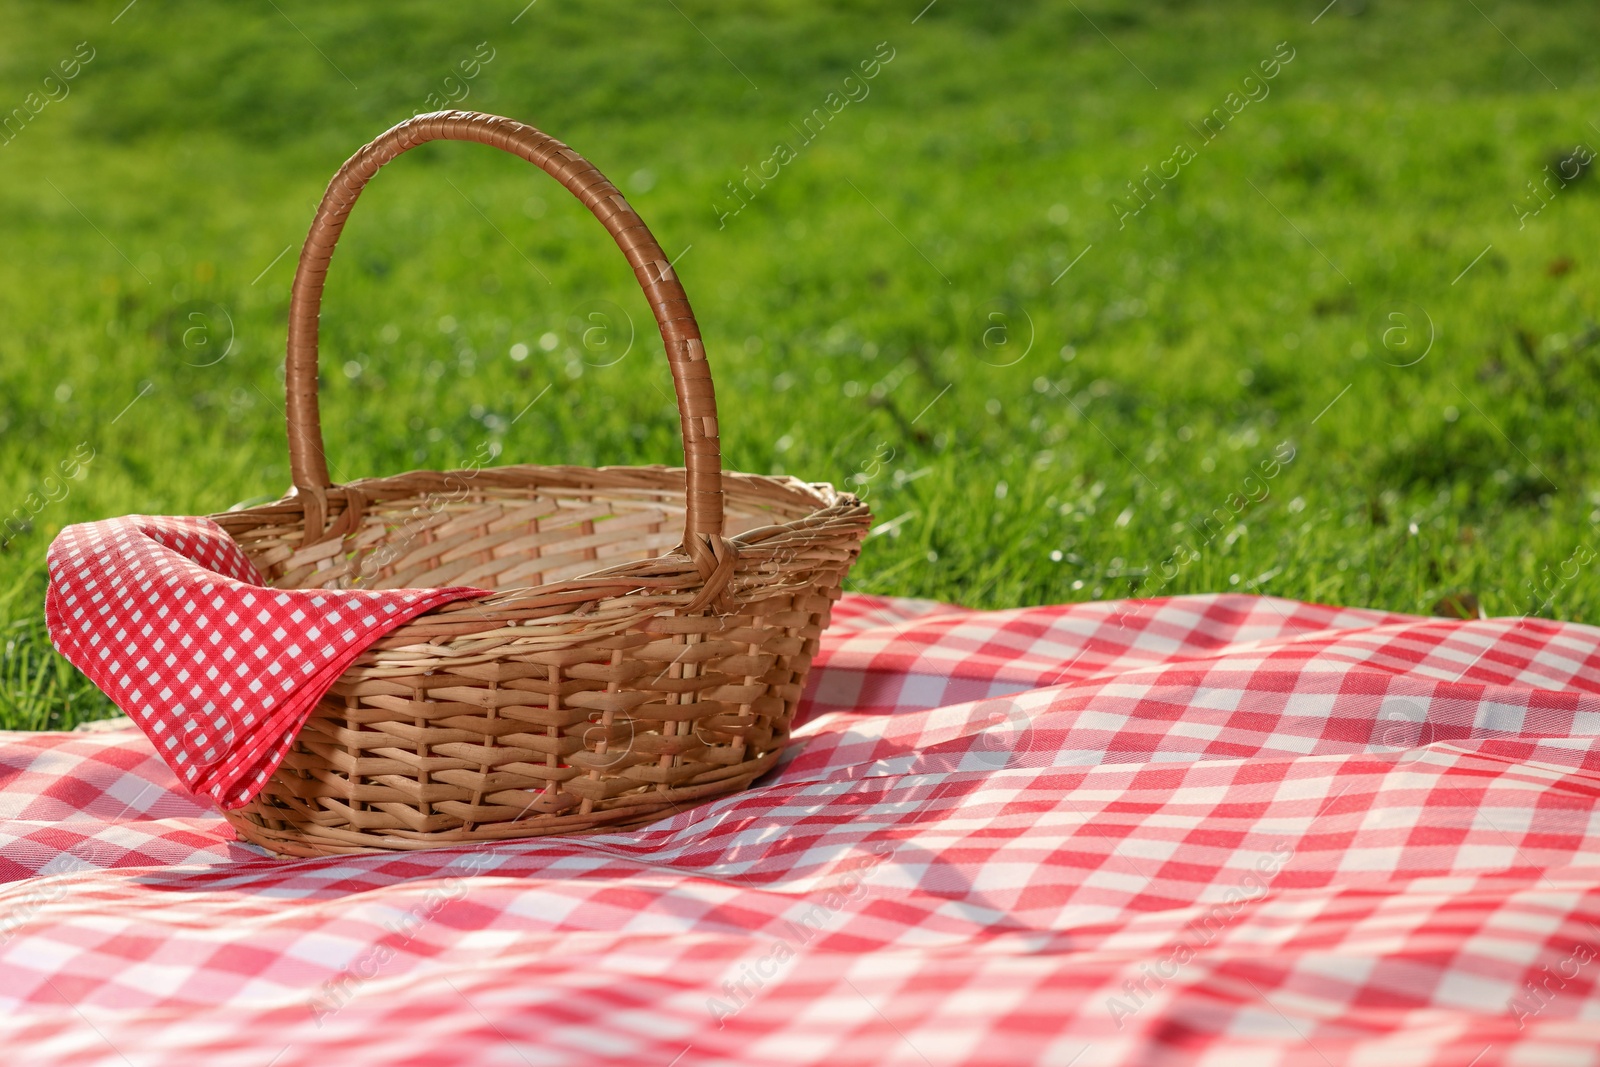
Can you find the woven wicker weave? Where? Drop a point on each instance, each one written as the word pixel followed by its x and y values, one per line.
pixel 652 626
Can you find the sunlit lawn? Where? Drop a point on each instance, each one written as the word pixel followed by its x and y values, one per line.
pixel 1324 355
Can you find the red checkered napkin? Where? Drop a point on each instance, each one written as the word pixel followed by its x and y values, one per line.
pixel 171 619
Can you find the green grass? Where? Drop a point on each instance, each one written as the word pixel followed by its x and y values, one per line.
pixel 849 308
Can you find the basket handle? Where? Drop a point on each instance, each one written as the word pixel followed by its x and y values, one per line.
pixel 691 375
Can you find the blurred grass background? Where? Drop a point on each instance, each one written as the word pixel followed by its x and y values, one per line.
pixel 894 311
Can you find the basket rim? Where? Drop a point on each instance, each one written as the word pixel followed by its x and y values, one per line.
pixel 818 494
pixel 607 600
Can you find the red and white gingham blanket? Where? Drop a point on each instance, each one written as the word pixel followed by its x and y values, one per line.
pixel 1222 830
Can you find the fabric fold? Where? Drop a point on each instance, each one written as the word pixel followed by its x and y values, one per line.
pixel 172 621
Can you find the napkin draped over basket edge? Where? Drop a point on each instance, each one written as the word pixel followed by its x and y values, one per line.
pixel 172 621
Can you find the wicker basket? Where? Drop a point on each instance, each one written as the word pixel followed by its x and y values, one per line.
pixel 621 671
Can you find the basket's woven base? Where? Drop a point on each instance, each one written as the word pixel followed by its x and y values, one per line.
pixel 568 704
pixel 287 835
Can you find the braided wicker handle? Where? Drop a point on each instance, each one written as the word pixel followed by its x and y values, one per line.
pixel 691 375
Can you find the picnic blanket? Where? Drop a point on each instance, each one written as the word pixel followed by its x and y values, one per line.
pixel 1217 829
